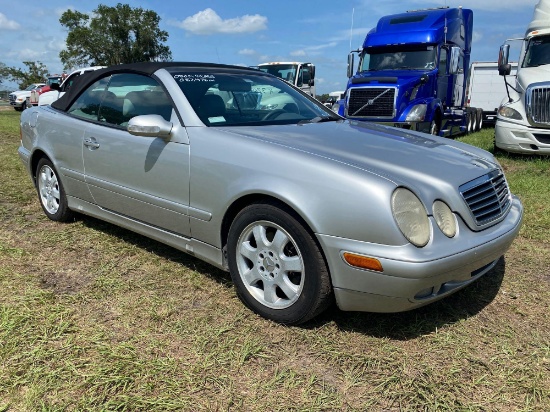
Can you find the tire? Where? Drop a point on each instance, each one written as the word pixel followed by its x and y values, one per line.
pixel 479 119
pixel 277 267
pixel 51 193
pixel 471 121
pixel 435 127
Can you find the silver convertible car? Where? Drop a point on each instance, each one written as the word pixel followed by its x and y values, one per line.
pixel 240 169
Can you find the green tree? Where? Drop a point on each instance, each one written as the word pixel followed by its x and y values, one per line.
pixel 322 97
pixel 4 73
pixel 113 35
pixel 36 72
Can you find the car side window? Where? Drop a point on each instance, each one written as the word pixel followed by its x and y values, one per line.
pixel 87 105
pixel 129 95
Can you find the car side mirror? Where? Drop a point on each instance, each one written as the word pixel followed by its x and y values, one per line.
pixel 149 125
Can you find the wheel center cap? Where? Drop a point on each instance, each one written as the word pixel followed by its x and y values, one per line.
pixel 269 264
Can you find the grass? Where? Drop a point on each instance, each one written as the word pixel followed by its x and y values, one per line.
pixel 93 317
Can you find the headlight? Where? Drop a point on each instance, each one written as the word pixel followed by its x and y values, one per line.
pixel 444 218
pixel 417 113
pixel 509 113
pixel 411 217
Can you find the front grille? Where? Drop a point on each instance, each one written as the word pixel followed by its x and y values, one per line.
pixel 488 197
pixel 538 105
pixel 12 97
pixel 377 102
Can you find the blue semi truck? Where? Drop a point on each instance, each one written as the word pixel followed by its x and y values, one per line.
pixel 412 73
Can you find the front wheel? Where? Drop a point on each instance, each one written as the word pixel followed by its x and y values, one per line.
pixel 51 192
pixel 434 127
pixel 277 267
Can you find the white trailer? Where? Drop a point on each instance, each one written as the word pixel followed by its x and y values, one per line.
pixel 486 89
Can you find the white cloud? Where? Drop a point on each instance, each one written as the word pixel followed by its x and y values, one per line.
pixel 209 22
pixel 298 53
pixel 6 24
pixel 476 36
pixel 248 52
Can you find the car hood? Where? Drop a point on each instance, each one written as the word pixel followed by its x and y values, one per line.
pixel 404 157
pixel 21 92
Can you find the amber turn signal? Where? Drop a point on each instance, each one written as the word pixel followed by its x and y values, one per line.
pixel 363 262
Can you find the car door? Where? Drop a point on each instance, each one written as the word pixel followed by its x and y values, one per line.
pixel 143 178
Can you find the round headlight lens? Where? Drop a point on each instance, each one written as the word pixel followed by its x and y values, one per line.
pixel 411 217
pixel 444 218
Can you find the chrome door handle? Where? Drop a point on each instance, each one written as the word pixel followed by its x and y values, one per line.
pixel 91 143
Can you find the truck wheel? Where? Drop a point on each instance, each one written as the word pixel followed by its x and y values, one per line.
pixel 435 127
pixel 479 119
pixel 471 121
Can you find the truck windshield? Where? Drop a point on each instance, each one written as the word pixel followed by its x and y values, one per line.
pixel 538 52
pixel 399 59
pixel 284 71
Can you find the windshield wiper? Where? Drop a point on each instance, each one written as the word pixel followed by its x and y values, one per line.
pixel 319 119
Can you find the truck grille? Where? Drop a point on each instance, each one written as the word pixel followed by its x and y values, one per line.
pixel 375 102
pixel 12 97
pixel 538 105
pixel 488 197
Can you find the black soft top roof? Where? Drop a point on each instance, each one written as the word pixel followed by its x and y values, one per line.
pixel 144 68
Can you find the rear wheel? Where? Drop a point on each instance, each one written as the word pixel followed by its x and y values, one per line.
pixel 479 119
pixel 277 267
pixel 51 192
pixel 471 121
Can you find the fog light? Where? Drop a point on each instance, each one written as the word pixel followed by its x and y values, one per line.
pixel 424 293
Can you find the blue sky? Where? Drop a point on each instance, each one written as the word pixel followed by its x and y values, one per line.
pixel 248 32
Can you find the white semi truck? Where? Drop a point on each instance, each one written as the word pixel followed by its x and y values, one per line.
pixel 523 121
pixel 301 75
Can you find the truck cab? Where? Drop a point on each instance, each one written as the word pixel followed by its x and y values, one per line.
pixel 301 75
pixel 523 119
pixel 412 72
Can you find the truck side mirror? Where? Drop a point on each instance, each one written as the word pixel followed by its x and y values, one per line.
pixel 455 59
pixel 504 68
pixel 55 86
pixel 351 58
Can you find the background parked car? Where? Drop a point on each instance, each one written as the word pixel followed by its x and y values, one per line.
pixel 18 99
pixel 44 96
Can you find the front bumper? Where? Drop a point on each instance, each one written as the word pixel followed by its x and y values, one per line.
pixel 411 280
pixel 517 138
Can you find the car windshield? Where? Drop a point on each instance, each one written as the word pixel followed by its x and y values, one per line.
pixel 251 98
pixel 538 52
pixel 422 58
